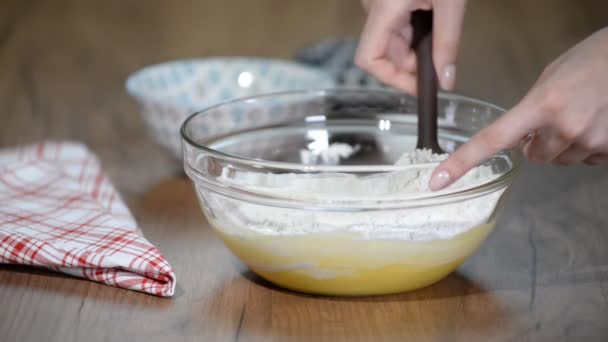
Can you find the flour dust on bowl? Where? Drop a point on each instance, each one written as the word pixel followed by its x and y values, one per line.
pixel 323 191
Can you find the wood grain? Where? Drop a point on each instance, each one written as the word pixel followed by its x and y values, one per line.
pixel 542 275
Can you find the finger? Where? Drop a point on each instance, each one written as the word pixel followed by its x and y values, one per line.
pixel 545 146
pixel 406 33
pixel 388 73
pixel 448 16
pixel 410 63
pixel 372 49
pixel 376 33
pixel 572 155
pixel 398 52
pixel 508 131
pixel 596 159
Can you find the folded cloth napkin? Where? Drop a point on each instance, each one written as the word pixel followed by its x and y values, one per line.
pixel 59 211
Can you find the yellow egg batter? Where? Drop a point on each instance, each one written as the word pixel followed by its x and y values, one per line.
pixel 347 264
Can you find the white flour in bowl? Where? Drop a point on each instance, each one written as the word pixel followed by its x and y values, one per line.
pixel 420 223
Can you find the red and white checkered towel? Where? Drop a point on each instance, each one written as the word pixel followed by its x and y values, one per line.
pixel 58 210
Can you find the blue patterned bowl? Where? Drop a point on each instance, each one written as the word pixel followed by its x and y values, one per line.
pixel 169 92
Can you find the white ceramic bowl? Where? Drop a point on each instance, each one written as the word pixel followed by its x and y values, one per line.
pixel 169 92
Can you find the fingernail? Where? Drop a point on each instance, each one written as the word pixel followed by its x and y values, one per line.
pixel 439 180
pixel 448 77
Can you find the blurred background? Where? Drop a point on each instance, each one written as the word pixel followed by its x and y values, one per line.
pixel 63 67
pixel 63 63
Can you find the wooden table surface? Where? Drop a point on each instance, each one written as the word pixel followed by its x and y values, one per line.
pixel 542 275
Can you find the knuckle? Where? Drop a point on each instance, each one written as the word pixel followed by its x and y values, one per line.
pixel 552 101
pixel 573 131
pixel 586 143
pixel 450 47
pixel 591 142
pixel 445 49
pixel 492 139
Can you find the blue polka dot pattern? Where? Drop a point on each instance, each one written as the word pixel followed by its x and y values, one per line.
pixel 168 93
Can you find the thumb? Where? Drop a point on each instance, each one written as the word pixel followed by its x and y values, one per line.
pixel 448 17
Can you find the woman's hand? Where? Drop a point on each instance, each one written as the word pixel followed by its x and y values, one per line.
pixel 384 49
pixel 565 114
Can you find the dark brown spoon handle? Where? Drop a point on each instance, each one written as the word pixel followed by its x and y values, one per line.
pixel 422 43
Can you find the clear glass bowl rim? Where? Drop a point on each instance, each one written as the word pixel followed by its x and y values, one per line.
pixel 448 195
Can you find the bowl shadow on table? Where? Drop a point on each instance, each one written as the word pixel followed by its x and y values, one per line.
pixel 456 306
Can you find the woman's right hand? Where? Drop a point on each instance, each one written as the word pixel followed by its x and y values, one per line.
pixel 564 115
pixel 384 49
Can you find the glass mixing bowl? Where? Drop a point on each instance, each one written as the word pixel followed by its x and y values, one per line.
pixel 343 236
